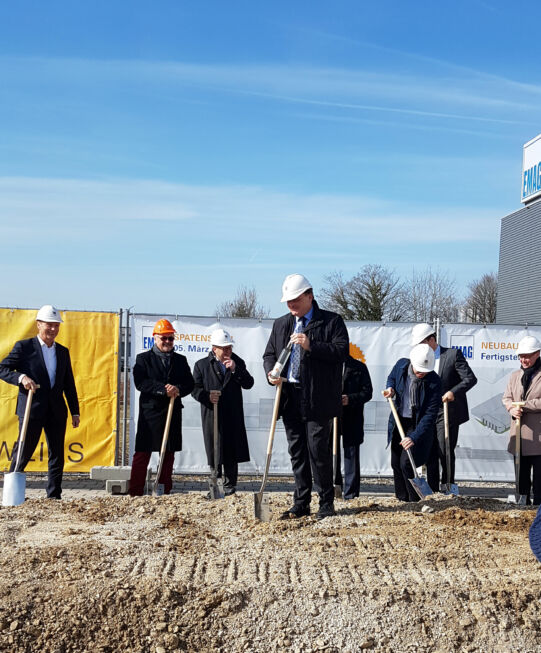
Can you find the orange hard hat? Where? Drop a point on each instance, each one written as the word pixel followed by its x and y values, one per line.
pixel 162 327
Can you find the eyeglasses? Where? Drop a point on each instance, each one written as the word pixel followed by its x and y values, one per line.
pixel 167 338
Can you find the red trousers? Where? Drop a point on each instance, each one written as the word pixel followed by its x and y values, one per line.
pixel 139 472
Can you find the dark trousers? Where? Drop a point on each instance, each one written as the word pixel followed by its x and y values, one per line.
pixel 529 464
pixel 352 472
pixel 138 474
pixel 55 432
pixel 230 472
pixel 437 457
pixel 400 463
pixel 310 449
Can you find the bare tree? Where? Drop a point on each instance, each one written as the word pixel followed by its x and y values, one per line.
pixel 243 305
pixel 374 293
pixel 480 304
pixel 430 294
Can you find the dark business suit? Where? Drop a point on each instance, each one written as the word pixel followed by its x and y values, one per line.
pixel 48 411
pixel 456 376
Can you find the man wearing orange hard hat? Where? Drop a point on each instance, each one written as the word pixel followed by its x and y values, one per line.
pixel 159 374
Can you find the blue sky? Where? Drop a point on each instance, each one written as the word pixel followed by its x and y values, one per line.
pixel 159 155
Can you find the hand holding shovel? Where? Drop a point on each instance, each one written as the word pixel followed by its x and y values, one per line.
pixel 419 484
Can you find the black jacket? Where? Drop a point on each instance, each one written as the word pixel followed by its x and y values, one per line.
pixel 358 387
pixel 151 377
pixel 321 367
pixel 457 376
pixel 26 358
pixel 208 376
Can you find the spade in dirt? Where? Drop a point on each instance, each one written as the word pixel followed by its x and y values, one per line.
pixel 158 488
pixel 15 482
pixel 448 488
pixel 261 500
pixel 419 484
pixel 518 498
pixel 216 485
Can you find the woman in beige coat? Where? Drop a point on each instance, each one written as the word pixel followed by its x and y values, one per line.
pixel 525 385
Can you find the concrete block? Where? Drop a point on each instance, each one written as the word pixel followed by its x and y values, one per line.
pixel 120 486
pixel 106 473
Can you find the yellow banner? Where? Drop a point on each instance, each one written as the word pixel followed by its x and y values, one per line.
pixel 92 339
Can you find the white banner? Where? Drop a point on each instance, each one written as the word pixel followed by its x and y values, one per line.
pixel 482 444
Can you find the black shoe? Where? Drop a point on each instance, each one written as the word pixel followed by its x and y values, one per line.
pixel 295 512
pixel 326 510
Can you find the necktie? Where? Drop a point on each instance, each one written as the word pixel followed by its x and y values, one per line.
pixel 296 352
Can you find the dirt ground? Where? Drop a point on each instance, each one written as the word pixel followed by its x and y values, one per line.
pixel 182 573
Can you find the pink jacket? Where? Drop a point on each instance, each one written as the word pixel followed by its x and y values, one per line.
pixel 530 431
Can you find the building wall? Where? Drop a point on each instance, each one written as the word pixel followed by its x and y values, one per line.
pixel 519 275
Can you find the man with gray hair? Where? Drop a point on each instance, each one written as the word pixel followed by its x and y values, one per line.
pixel 456 379
pixel 40 361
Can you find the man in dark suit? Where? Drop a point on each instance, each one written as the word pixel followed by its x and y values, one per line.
pixel 159 374
pixel 44 362
pixel 456 379
pixel 311 391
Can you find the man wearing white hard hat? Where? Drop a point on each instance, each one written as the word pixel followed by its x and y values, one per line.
pixel 311 391
pixel 416 389
pixel 40 361
pixel 220 379
pixel 525 385
pixel 456 379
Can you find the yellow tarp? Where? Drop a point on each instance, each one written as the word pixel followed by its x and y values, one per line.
pixel 92 339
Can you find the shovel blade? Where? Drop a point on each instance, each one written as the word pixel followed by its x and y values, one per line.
pixel 421 487
pixel 337 491
pixel 519 499
pixel 261 506
pixel 14 489
pixel 450 489
pixel 158 490
pixel 216 488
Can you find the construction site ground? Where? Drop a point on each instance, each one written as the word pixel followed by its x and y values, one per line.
pixel 95 572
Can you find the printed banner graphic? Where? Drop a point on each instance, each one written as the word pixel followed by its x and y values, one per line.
pixel 482 446
pixel 92 339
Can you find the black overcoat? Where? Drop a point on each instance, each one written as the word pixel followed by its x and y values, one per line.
pixel 321 367
pixel 150 377
pixel 456 375
pixel 358 387
pixel 208 376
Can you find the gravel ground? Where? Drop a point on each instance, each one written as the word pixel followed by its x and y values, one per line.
pixel 182 573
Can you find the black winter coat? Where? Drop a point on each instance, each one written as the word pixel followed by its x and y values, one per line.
pixel 358 387
pixel 151 377
pixel 456 375
pixel 208 376
pixel 321 367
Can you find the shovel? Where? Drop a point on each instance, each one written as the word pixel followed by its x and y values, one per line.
pixel 216 485
pixel 261 501
pixel 337 488
pixel 517 498
pixel 449 488
pixel 15 482
pixel 419 484
pixel 158 488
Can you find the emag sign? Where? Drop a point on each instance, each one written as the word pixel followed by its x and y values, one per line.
pixel 531 170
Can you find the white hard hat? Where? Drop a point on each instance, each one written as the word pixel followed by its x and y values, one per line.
pixel 49 313
pixel 294 285
pixel 221 338
pixel 528 345
pixel 420 332
pixel 422 358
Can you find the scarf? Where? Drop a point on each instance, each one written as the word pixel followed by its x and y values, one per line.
pixel 527 375
pixel 164 356
pixel 415 387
